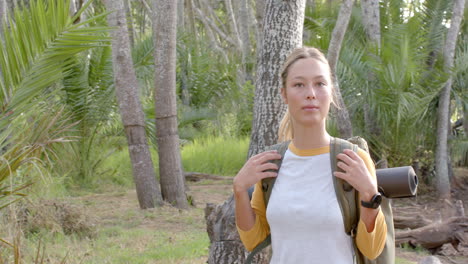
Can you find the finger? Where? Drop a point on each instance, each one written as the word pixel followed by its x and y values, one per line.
pixel 267 166
pixel 340 175
pixel 262 154
pixel 345 158
pixel 353 155
pixel 269 156
pixel 268 174
pixel 342 166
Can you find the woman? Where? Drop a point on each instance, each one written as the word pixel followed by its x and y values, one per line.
pixel 303 214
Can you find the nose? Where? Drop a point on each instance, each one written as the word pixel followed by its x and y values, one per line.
pixel 310 93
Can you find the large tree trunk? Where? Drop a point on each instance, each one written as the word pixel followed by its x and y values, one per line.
pixel 226 247
pixel 282 33
pixel 443 111
pixel 126 86
pixel 283 27
pixel 170 168
pixel 342 115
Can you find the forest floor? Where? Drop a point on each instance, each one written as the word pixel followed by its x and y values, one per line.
pixel 122 233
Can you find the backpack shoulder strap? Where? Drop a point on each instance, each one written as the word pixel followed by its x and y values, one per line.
pixel 267 183
pixel 267 187
pixel 345 193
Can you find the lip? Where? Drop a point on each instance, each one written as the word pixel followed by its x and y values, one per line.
pixel 310 108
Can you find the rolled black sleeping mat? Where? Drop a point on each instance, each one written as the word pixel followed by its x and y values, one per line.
pixel 398 182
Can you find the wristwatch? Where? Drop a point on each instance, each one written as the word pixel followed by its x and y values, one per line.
pixel 374 203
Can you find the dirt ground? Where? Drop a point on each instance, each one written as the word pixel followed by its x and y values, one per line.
pixel 109 208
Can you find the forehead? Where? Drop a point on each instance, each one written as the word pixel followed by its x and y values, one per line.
pixel 309 68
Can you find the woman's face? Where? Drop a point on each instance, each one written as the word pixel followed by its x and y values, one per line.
pixel 308 91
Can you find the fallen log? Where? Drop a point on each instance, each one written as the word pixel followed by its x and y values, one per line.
pixel 196 176
pixel 411 222
pixel 453 230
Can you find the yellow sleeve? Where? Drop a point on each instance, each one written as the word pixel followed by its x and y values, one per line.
pixel 371 244
pixel 251 238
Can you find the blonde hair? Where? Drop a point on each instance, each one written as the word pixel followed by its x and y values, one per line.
pixel 286 129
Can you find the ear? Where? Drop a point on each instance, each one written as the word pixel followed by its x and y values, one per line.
pixel 283 95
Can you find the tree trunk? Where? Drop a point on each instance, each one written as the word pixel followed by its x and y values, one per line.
pixel 190 21
pixel 259 14
pixel 342 115
pixel 443 111
pixel 282 33
pixel 131 31
pixel 244 22
pixel 465 118
pixel 226 247
pixel 180 14
pixel 170 168
pixel 371 20
pixel 126 86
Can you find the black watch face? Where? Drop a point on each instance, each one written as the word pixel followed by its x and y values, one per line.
pixel 377 200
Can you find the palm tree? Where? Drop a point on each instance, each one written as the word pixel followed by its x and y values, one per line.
pixel 170 165
pixel 442 160
pixel 126 84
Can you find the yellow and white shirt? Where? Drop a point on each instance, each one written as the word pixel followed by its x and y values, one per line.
pixel 304 216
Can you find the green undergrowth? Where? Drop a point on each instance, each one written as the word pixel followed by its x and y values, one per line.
pixel 215 155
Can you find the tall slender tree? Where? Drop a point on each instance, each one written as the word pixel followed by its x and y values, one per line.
pixel 170 165
pixel 342 115
pixel 443 111
pixel 126 86
pixel 371 20
pixel 282 32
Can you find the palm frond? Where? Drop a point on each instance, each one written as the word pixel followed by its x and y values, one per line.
pixel 37 52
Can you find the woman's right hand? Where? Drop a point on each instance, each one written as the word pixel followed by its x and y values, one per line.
pixel 256 169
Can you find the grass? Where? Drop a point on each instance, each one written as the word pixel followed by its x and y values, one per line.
pixel 403 261
pixel 215 155
pixel 125 234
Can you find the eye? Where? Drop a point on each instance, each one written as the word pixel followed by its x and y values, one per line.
pixel 321 84
pixel 298 85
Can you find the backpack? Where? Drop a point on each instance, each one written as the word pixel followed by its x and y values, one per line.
pixel 347 198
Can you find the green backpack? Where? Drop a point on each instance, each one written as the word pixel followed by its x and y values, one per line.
pixel 347 198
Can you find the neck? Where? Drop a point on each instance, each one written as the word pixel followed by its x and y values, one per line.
pixel 310 137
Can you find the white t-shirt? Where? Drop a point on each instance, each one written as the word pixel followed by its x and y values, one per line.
pixel 305 219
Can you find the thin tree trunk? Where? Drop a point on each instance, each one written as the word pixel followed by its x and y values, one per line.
pixel 126 86
pixel 282 33
pixel 128 11
pixel 465 118
pixel 344 123
pixel 170 168
pixel 244 22
pixel 190 24
pixel 371 20
pixel 232 24
pixel 443 111
pixel 180 14
pixel 259 14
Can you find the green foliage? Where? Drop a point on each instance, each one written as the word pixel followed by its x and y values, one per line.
pixel 401 81
pixel 215 155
